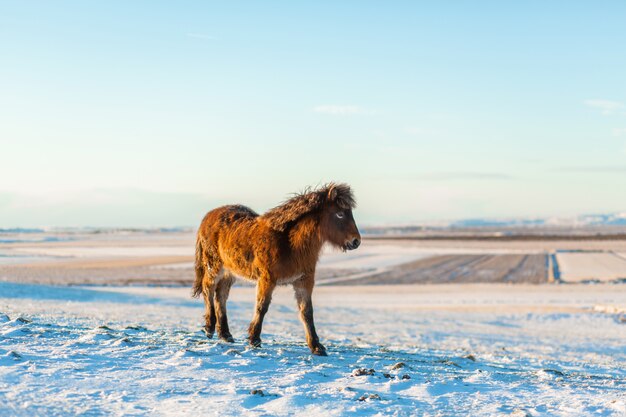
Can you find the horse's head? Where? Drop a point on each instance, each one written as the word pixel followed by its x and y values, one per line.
pixel 338 225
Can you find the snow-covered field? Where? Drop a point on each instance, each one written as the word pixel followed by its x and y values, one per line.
pixel 457 350
pixel 167 258
pixel 583 266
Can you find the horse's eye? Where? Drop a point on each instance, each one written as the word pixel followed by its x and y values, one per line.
pixel 339 214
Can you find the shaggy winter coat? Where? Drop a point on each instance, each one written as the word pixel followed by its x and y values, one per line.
pixel 279 247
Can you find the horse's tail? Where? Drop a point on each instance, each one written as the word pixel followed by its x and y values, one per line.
pixel 200 268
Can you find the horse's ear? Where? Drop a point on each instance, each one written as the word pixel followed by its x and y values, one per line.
pixel 340 194
pixel 332 193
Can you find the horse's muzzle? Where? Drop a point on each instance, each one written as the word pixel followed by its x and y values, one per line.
pixel 353 244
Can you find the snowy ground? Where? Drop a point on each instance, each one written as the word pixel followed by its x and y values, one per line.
pixel 584 266
pixel 465 349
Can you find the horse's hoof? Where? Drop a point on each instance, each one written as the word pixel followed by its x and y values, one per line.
pixel 255 343
pixel 319 351
pixel 227 338
pixel 209 333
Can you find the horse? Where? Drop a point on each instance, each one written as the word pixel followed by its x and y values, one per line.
pixel 279 247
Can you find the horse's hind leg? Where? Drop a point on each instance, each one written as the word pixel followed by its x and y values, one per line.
pixel 211 278
pixel 209 314
pixel 222 291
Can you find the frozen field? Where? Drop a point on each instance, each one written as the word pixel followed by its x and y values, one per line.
pixel 601 266
pixel 166 258
pixel 465 348
pixel 469 349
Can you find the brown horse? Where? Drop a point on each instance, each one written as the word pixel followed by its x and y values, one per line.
pixel 279 247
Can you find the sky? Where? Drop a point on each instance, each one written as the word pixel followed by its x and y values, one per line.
pixel 150 113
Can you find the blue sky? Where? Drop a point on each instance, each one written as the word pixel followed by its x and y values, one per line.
pixel 150 113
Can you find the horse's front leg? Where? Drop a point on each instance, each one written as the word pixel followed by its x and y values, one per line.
pixel 264 288
pixel 304 289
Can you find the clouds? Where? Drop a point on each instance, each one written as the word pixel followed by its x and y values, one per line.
pixel 201 36
pixel 340 110
pixel 610 108
pixel 457 175
pixel 598 169
pixel 423 132
pixel 606 107
pixel 106 207
pixel 619 131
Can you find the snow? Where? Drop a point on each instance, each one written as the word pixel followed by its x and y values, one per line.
pixel 108 251
pixel 476 350
pixel 10 257
pixel 371 256
pixel 582 266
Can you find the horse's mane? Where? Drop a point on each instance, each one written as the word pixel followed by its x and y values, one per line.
pixel 309 201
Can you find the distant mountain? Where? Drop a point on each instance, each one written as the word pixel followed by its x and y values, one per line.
pixel 504 226
pixel 14 230
pixel 618 219
pixel 614 219
pixel 496 223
